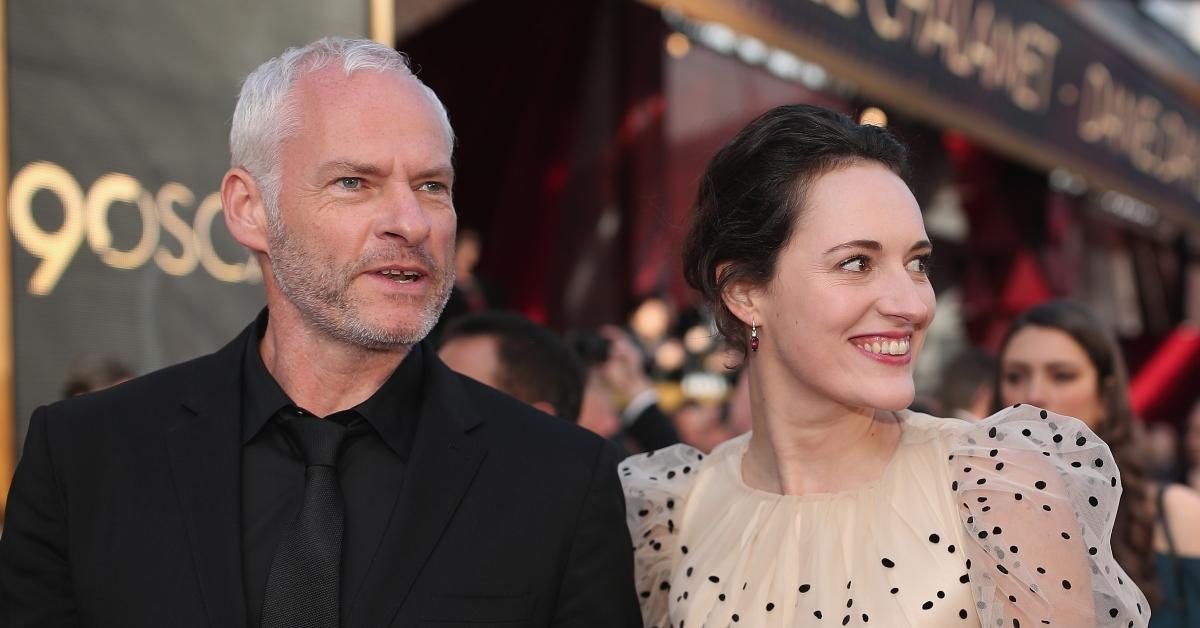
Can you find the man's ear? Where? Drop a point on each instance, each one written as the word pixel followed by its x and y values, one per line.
pixel 245 212
pixel 742 298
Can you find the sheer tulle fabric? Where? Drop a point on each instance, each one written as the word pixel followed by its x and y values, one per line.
pixel 999 523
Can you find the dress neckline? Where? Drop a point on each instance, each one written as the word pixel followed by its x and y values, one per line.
pixel 729 456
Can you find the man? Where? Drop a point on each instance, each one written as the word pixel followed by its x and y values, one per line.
pixel 517 356
pixel 528 361
pixel 619 399
pixel 209 494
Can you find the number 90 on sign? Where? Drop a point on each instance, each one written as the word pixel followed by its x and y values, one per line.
pixel 85 217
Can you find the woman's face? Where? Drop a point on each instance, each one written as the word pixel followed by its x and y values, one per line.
pixel 1045 367
pixel 847 310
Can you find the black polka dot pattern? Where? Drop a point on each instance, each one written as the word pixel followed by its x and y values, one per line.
pixel 1062 503
pixel 710 551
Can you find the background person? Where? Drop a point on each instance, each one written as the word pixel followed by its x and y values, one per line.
pixel 1190 446
pixel 966 389
pixel 620 398
pixel 517 356
pixel 1059 356
pixel 91 373
pixel 840 505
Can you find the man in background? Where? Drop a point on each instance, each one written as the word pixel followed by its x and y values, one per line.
pixel 517 356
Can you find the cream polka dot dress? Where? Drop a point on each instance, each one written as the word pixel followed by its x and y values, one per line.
pixel 999 523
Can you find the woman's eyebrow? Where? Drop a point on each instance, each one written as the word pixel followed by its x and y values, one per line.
pixel 875 246
pixel 857 244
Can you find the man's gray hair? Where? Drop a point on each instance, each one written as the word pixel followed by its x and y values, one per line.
pixel 265 114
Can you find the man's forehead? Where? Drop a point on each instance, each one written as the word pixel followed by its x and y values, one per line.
pixel 330 89
pixel 318 83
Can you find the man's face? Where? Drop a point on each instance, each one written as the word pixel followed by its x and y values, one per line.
pixel 362 243
pixel 477 357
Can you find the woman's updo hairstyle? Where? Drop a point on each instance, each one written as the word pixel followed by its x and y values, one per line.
pixel 752 195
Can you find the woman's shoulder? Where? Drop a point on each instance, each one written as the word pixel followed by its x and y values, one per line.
pixel 657 485
pixel 1182 511
pixel 668 472
pixel 658 467
pixel 1038 493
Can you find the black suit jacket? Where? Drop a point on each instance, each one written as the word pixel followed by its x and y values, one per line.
pixel 124 512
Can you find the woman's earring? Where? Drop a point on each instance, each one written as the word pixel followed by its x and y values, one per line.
pixel 754 337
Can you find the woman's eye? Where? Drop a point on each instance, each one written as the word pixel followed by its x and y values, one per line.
pixel 919 264
pixel 1063 377
pixel 1013 378
pixel 350 183
pixel 856 264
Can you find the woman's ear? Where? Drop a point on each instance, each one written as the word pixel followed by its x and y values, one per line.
pixel 742 298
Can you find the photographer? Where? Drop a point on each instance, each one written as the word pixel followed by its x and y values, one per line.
pixel 617 384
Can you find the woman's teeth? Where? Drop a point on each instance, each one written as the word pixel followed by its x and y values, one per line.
pixel 886 347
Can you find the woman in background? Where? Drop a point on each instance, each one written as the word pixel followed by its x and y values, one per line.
pixel 1190 448
pixel 1060 357
pixel 840 507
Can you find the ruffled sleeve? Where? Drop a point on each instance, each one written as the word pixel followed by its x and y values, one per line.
pixel 1038 494
pixel 656 487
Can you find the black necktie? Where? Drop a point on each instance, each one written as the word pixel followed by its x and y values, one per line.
pixel 302 588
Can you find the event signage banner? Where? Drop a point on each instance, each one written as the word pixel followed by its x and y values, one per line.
pixel 1033 75
pixel 119 126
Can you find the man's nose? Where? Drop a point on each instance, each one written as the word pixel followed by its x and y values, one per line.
pixel 403 216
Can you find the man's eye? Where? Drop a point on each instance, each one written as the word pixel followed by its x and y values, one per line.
pixel 350 183
pixel 856 264
pixel 432 186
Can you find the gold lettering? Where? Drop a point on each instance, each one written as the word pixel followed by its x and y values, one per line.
pixel 976 48
pixel 945 28
pixel 54 249
pixel 1144 135
pixel 889 26
pixel 1093 103
pixel 170 195
pixel 1034 76
pixel 1122 107
pixel 112 188
pixel 1154 140
pixel 1001 45
pixel 844 8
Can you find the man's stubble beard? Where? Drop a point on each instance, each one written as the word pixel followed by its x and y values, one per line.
pixel 321 292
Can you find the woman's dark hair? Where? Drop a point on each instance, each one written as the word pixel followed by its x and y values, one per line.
pixel 753 191
pixel 1133 530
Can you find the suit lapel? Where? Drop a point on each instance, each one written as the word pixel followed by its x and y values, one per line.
pixel 444 461
pixel 204 447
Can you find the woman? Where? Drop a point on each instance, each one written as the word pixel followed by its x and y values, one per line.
pixel 841 507
pixel 1190 446
pixel 1061 357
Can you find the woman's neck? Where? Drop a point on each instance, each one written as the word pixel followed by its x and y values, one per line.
pixel 805 443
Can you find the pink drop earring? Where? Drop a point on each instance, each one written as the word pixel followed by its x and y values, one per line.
pixel 754 337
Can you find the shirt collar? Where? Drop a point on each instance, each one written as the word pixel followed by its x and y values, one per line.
pixel 392 411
